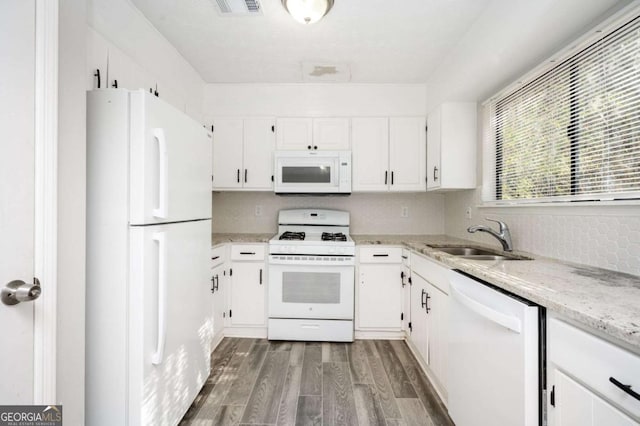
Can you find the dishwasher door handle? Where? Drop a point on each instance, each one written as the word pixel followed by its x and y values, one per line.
pixel 508 321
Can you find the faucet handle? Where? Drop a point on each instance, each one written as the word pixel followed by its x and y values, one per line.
pixel 503 226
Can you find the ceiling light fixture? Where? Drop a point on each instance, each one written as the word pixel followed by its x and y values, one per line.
pixel 307 11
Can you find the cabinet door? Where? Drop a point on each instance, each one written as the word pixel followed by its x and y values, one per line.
pixel 434 132
pixel 370 143
pixel 218 284
pixel 578 406
pixel 331 134
pixel 407 153
pixel 248 294
pixel 437 317
pixel 380 297
pixel 227 153
pixel 419 330
pixel 294 133
pixel 259 144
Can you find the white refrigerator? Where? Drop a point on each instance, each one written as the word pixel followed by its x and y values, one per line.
pixel 148 240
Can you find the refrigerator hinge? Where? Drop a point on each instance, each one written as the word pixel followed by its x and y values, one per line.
pixel 552 397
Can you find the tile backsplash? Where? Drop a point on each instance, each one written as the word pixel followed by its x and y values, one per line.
pixel 370 213
pixel 602 236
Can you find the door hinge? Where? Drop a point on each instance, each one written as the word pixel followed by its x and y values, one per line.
pixel 230 314
pixel 273 129
pixel 552 398
pixel 402 316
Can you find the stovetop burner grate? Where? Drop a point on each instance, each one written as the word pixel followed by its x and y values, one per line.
pixel 336 236
pixel 289 235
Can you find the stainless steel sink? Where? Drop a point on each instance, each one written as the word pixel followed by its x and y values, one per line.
pixel 475 253
pixel 465 251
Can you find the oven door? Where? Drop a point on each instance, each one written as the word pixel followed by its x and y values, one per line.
pixel 311 291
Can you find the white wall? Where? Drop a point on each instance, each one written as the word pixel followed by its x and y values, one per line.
pixel 71 209
pixel 139 56
pixel 370 213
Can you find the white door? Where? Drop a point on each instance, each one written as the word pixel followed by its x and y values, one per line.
pixel 380 297
pixel 294 133
pixel 419 329
pixel 370 142
pixel 407 153
pixel 259 144
pixel 248 281
pixel 227 153
pixel 17 39
pixel 437 318
pixel 434 137
pixel 331 134
pixel 218 287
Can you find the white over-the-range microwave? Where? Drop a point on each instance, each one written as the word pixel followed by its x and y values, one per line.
pixel 312 172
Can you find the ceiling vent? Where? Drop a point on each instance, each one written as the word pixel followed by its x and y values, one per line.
pixel 238 7
pixel 324 72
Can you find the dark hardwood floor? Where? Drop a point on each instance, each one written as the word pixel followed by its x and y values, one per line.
pixel 368 382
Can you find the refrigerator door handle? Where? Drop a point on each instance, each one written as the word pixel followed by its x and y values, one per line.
pixel 158 355
pixel 512 323
pixel 161 211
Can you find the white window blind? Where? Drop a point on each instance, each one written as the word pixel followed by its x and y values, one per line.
pixel 573 133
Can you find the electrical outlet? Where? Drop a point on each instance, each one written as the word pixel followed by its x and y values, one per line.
pixel 404 211
pixel 258 210
pixel 469 213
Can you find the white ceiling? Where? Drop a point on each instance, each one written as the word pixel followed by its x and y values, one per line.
pixel 382 41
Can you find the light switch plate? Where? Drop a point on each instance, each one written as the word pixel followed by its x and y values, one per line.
pixel 404 211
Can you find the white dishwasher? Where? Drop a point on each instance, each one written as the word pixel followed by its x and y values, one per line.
pixel 494 355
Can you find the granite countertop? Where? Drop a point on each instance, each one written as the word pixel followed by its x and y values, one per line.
pixel 603 300
pixel 217 238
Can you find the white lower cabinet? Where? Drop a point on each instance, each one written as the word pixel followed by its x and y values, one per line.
pixel 429 318
pixel 582 373
pixel 218 287
pixel 247 286
pixel 379 289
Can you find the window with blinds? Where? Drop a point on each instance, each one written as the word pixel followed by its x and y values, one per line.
pixel 573 133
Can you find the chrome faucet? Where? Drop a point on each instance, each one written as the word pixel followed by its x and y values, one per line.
pixel 504 236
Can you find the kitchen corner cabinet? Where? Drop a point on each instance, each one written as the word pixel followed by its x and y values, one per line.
pixel 451 147
pixel 379 292
pixel 303 134
pixel 582 393
pixel 389 154
pixel 248 282
pixel 243 154
pixel 429 316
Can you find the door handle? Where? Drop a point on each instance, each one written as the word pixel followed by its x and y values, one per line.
pixel 158 355
pixel 391 178
pixel 163 187
pixel 422 301
pixel 19 291
pixel 435 173
pixel 386 174
pixel 260 276
pixel 238 176
pixel 426 303
pixel 245 175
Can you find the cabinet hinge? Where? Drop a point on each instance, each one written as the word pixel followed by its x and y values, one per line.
pixel 271 178
pixel 273 129
pixel 552 398
pixel 410 283
pixel 212 128
pixel 230 272
pixel 224 273
pixel 230 314
pixel 402 316
pixel 224 315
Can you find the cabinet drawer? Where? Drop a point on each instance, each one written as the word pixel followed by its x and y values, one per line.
pixel 593 361
pixel 380 254
pixel 431 271
pixel 218 255
pixel 247 252
pixel 310 330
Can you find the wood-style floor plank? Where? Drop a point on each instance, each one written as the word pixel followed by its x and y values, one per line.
pixel 280 346
pixel 309 411
pixel 267 391
pixel 413 412
pixel 228 415
pixel 358 364
pixel 297 354
pixel 229 375
pixel 367 406
pixel 334 352
pixel 427 394
pixel 400 383
pixel 243 385
pixel 381 382
pixel 312 371
pixel 338 405
pixel 289 401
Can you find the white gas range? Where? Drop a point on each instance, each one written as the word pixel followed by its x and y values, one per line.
pixel 311 277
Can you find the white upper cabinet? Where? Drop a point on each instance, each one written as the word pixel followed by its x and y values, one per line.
pixel 407 153
pixel 451 146
pixel 243 153
pixel 388 154
pixel 302 134
pixel 370 139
